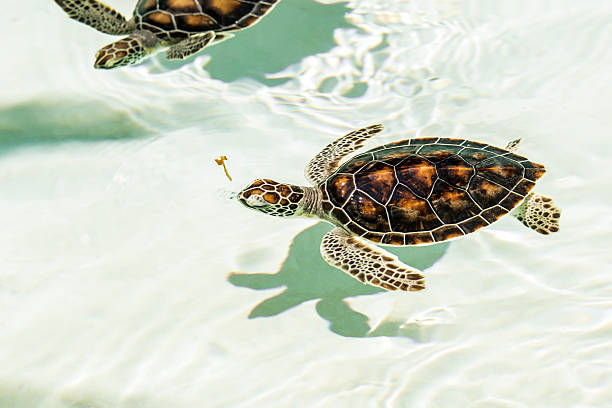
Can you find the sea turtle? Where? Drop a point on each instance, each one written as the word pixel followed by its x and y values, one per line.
pixel 186 26
pixel 411 192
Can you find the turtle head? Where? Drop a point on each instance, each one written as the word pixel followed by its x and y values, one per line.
pixel 270 197
pixel 127 51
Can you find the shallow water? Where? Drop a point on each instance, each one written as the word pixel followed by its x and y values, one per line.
pixel 129 279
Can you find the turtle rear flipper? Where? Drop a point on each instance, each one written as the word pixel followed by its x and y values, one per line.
pixel 97 15
pixel 368 263
pixel 539 213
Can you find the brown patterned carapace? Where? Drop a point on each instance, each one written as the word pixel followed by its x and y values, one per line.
pixel 177 19
pixel 426 190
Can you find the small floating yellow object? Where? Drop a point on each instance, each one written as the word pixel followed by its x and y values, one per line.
pixel 221 162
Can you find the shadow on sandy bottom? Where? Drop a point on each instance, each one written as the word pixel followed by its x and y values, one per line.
pixel 306 276
pixel 294 29
pixel 40 122
pixel 24 395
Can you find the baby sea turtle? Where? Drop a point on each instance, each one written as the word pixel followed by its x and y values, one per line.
pixel 411 192
pixel 186 26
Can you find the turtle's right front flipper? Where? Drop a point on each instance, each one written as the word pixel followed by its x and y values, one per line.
pixel 368 263
pixel 97 15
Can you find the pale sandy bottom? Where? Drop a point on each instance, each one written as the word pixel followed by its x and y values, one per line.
pixel 122 260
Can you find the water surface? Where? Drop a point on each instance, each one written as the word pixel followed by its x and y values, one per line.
pixel 129 279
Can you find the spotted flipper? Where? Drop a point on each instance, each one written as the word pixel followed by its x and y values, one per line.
pixel 368 263
pixel 538 213
pixel 190 45
pixel 327 160
pixel 97 15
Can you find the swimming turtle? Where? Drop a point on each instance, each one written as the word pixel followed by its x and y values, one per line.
pixel 186 26
pixel 411 192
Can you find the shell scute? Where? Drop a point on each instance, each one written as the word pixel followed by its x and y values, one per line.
pixel 524 187
pixel 494 213
pixel 339 188
pixel 357 162
pixel 180 6
pixel 473 224
pixel 486 193
pixel 393 239
pixel 478 145
pixel 418 174
pixel 496 150
pixel 446 232
pixel 376 179
pixel 501 170
pixel 374 236
pixel 367 213
pixel 418 238
pixel 511 201
pixel 455 171
pixel 340 215
pixel 449 140
pixel 451 204
pixel 145 6
pixel 327 206
pixel 409 213
pixel 533 171
pixel 424 140
pixel 356 229
pixel 160 20
pixel 401 145
pixel 514 156
pixel 437 152
pixel 195 22
pixel 475 156
pixel 400 152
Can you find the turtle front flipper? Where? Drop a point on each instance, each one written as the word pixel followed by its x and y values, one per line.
pixel 97 15
pixel 539 213
pixel 368 263
pixel 190 45
pixel 327 160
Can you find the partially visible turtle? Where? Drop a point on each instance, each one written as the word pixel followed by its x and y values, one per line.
pixel 411 192
pixel 186 26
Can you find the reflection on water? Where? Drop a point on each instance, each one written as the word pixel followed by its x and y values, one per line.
pixel 307 276
pixel 293 30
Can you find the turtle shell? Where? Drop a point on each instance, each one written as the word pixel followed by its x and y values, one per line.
pixel 177 19
pixel 421 191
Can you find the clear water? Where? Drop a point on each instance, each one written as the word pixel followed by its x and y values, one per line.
pixel 128 278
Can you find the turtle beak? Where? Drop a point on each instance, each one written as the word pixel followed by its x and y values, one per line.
pixel 102 60
pixel 108 57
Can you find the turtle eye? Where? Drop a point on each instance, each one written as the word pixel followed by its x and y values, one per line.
pixel 255 200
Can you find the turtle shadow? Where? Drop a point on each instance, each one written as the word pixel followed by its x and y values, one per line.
pixel 293 30
pixel 306 276
pixel 53 121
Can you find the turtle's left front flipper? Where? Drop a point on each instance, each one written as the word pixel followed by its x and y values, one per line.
pixel 327 160
pixel 97 15
pixel 369 263
pixel 190 45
